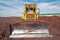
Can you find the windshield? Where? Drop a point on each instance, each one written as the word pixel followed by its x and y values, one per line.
pixel 30 9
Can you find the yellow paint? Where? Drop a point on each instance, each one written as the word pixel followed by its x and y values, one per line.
pixel 30 13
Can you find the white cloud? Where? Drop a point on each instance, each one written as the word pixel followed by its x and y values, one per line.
pixel 44 7
pixel 9 12
pixel 48 7
pixel 13 12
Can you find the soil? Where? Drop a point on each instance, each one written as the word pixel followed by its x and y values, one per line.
pixel 6 22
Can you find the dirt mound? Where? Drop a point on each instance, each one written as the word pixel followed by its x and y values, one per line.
pixel 54 26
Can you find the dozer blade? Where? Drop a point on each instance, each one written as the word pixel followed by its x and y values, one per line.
pixel 21 33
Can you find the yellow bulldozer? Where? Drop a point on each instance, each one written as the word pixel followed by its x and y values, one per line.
pixel 31 28
pixel 30 12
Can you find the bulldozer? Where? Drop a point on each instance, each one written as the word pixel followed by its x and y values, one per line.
pixel 30 12
pixel 31 25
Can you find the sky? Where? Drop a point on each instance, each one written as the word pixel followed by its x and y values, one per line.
pixel 16 7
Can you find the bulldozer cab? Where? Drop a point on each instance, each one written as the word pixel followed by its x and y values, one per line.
pixel 30 8
pixel 30 12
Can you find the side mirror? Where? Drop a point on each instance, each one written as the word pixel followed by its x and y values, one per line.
pixel 38 10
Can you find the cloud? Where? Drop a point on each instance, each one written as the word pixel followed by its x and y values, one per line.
pixel 16 7
pixel 48 7
pixel 3 4
pixel 9 12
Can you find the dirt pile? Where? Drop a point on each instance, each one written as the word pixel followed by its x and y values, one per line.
pixel 54 26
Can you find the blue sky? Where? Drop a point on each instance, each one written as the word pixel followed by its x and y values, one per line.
pixel 16 7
